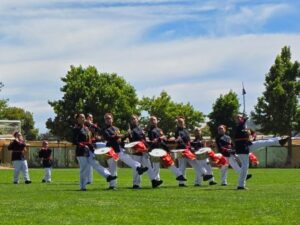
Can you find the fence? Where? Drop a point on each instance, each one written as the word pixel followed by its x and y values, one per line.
pixel 63 155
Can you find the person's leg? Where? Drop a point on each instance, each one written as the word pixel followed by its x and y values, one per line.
pixel 244 158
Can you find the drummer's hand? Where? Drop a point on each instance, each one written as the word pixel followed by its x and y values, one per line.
pixel 171 139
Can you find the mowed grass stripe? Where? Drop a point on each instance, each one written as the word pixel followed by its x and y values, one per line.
pixel 273 198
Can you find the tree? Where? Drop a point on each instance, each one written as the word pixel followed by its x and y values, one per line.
pixel 166 112
pixel 223 112
pixel 3 103
pixel 87 91
pixel 277 111
pixel 27 122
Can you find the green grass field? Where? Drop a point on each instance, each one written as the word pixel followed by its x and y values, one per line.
pixel 273 198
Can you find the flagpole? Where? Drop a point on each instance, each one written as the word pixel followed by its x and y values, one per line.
pixel 244 100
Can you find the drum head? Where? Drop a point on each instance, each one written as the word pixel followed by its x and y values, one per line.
pixel 203 150
pixel 157 152
pixel 131 144
pixel 178 150
pixel 100 144
pixel 101 151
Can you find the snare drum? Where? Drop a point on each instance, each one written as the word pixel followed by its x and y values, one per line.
pixel 135 147
pixel 101 153
pixel 202 153
pixel 156 154
pixel 177 153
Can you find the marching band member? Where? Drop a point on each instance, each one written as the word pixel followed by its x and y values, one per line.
pixel 45 156
pixel 18 148
pixel 84 153
pixel 157 140
pixel 182 137
pixel 113 137
pixel 136 133
pixel 225 147
pixel 196 144
pixel 95 130
pixel 242 142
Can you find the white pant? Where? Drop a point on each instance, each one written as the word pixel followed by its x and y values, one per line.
pixel 47 176
pixel 156 169
pixel 84 164
pixel 244 159
pixel 90 175
pixel 182 167
pixel 145 161
pixel 264 143
pixel 112 165
pixel 232 160
pixel 206 169
pixel 20 165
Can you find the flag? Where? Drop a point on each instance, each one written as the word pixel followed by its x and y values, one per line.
pixel 244 91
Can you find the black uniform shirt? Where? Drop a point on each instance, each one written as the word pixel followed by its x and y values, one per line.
pixel 197 144
pixel 224 143
pixel 241 139
pixel 154 134
pixel 110 135
pixel 45 155
pixel 184 135
pixel 17 148
pixel 82 138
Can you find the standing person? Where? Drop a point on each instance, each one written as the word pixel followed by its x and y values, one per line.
pixel 96 131
pixel 84 153
pixel 18 148
pixel 158 140
pixel 242 142
pixel 45 156
pixel 225 147
pixel 136 133
pixel 196 144
pixel 113 137
pixel 182 137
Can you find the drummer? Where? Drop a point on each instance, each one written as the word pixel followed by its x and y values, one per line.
pixel 136 134
pixel 196 144
pixel 225 147
pixel 182 137
pixel 95 131
pixel 113 137
pixel 84 150
pixel 158 140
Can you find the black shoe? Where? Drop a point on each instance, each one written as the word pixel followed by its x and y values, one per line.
pixel 207 177
pixel 181 178
pixel 242 188
pixel 88 182
pixel 43 181
pixel 156 183
pixel 197 185
pixel 110 178
pixel 83 189
pixel 16 182
pixel 248 176
pixel 212 183
pixel 136 187
pixel 112 188
pixel 27 181
pixel 141 170
pixel 223 184
pixel 283 141
pixel 182 185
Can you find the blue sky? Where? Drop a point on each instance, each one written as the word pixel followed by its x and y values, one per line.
pixel 194 50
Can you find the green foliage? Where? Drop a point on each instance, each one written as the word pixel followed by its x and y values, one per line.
pixel 27 122
pixel 273 198
pixel 167 111
pixel 87 91
pixel 206 131
pixel 223 112
pixel 3 103
pixel 277 111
